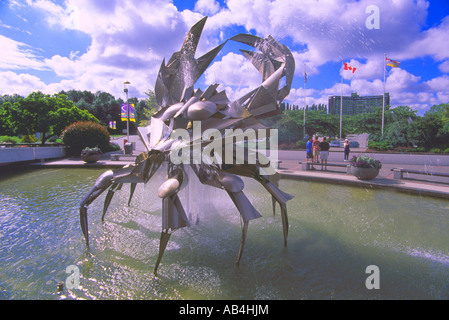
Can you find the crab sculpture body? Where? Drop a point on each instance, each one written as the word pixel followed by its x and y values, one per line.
pixel 180 105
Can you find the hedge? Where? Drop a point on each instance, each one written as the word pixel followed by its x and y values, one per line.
pixel 82 134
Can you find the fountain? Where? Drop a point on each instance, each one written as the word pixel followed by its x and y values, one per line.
pixel 336 231
pixel 331 241
pixel 200 115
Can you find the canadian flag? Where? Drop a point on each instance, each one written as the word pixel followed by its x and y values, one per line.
pixel 350 68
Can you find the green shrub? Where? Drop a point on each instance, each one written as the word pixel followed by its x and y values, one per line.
pixel 301 144
pixel 379 145
pixel 54 139
pixel 446 150
pixel 82 134
pixel 420 149
pixel 8 139
pixel 113 147
pixel 365 162
pixel 29 138
pixel 435 150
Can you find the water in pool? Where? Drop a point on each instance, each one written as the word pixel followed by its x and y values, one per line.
pixel 336 232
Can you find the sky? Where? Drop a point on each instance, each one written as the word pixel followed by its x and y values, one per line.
pixel 96 45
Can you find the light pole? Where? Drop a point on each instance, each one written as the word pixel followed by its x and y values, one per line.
pixel 125 84
pixel 305 80
pixel 341 102
pixel 383 97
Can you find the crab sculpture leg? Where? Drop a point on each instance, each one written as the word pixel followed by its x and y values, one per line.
pixel 269 182
pixel 233 185
pixel 101 184
pixel 146 165
pixel 173 214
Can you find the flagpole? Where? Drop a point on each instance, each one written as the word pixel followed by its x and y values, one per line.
pixel 305 75
pixel 383 98
pixel 341 101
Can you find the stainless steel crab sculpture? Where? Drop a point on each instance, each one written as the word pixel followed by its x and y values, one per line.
pixel 179 105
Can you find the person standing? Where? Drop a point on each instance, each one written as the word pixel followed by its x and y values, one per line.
pixel 324 152
pixel 316 150
pixel 347 145
pixel 309 153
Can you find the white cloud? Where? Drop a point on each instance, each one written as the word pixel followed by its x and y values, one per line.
pixel 65 67
pixel 296 97
pixel 432 42
pixel 444 67
pixel 13 83
pixel 439 84
pixel 400 80
pixel 55 14
pixel 443 97
pixel 233 70
pixel 367 88
pixel 404 89
pixel 130 38
pixel 332 30
pixel 337 90
pixel 18 55
pixel 307 58
pixel 129 41
pixel 372 68
pixel 207 7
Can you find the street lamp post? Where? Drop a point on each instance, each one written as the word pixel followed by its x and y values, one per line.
pixel 341 104
pixel 125 84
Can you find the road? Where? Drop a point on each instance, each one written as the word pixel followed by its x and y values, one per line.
pixel 386 158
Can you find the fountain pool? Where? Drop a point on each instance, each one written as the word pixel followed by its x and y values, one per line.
pixel 335 233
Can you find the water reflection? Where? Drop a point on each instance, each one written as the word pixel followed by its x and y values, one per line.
pixel 335 233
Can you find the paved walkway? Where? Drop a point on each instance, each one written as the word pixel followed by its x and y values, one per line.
pixel 291 169
pixel 422 185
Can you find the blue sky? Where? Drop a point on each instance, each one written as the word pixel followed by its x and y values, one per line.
pixel 98 44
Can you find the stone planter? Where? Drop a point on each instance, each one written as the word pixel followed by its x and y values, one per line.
pixel 365 173
pixel 91 158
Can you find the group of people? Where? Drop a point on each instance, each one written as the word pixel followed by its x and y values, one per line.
pixel 317 151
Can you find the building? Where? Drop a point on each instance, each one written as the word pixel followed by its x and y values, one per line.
pixel 355 104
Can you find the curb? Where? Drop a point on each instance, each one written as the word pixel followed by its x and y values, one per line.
pixel 422 189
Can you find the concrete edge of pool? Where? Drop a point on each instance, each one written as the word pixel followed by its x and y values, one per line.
pixel 423 188
pixel 418 188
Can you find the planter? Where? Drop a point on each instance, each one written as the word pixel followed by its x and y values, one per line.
pixel 365 173
pixel 91 158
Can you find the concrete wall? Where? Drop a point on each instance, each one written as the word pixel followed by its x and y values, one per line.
pixel 17 154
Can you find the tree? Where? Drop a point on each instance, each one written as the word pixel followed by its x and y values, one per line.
pixel 400 127
pixel 63 117
pixel 318 122
pixel 434 128
pixel 289 131
pixel 366 122
pixel 5 123
pixel 42 113
pixel 291 125
pixel 32 115
pixel 145 109
pixel 445 115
